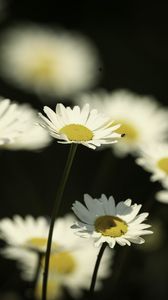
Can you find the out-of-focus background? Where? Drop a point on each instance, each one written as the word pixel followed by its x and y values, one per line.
pixel 132 46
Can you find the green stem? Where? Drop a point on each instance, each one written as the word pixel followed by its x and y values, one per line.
pixel 97 264
pixel 58 199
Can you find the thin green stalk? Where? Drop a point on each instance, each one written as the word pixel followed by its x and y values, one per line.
pixel 57 203
pixel 97 264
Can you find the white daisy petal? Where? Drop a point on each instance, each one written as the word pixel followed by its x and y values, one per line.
pixel 89 203
pixel 121 241
pixel 137 240
pixel 122 209
pixel 111 242
pixel 111 206
pixel 140 218
pixel 85 113
pixel 141 226
pixel 128 202
pixel 51 115
pixel 135 209
pixel 82 213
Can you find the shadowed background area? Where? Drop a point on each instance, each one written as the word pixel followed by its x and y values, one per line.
pixel 132 43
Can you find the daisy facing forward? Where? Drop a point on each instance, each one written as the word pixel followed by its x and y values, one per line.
pixel 79 126
pixel 104 221
pixel 154 159
pixel 47 61
pixel 141 118
pixel 71 260
pixel 18 128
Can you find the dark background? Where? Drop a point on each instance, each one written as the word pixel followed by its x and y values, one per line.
pixel 133 45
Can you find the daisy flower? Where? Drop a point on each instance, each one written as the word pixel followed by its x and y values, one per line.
pixel 27 233
pixel 18 128
pixel 71 261
pixel 104 221
pixel 48 61
pixel 79 126
pixel 141 118
pixel 154 159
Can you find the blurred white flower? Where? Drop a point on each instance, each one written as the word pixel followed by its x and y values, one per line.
pixel 18 128
pixel 162 196
pixel 72 259
pixel 53 62
pixel 28 233
pixel 104 221
pixel 154 159
pixel 142 119
pixel 79 126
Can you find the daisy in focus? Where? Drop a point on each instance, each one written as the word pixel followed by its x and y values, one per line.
pixel 154 159
pixel 71 260
pixel 50 62
pixel 79 126
pixel 141 118
pixel 18 128
pixel 104 221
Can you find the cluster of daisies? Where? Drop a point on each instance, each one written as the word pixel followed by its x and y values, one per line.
pixel 99 220
pixel 71 259
pixel 57 63
pixel 144 122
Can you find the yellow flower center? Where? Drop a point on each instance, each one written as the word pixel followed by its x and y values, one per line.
pixel 111 226
pixel 77 132
pixel 62 263
pixel 42 68
pixel 39 243
pixel 131 133
pixel 163 164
